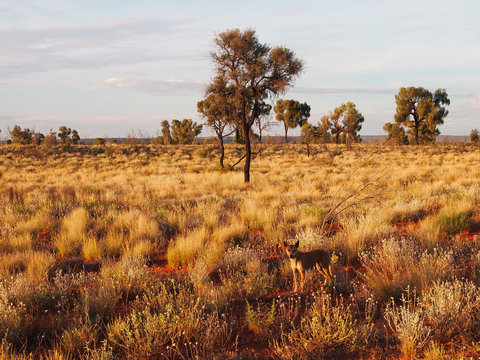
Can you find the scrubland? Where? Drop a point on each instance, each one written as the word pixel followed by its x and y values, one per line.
pixel 150 252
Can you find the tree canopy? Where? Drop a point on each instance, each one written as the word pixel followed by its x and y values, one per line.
pixel 344 123
pixel 420 112
pixel 246 73
pixel 219 114
pixel 185 131
pixel 292 113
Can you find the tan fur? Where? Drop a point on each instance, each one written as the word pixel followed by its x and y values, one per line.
pixel 304 260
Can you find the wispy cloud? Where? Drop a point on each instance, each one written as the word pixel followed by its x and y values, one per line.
pixel 26 51
pixel 314 90
pixel 476 101
pixel 163 87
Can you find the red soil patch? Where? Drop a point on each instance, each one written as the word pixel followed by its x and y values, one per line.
pixel 474 230
pixel 43 240
pixel 406 228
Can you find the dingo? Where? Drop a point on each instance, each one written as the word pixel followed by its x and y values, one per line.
pixel 301 261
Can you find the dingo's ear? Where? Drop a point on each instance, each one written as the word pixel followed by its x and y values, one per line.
pixel 297 243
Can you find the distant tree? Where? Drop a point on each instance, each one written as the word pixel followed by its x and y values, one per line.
pixel 50 140
pixel 21 136
pixel 246 73
pixel 291 113
pixel 64 134
pixel 38 138
pixel 395 133
pixel 308 135
pixel 185 131
pixel 474 136
pixel 218 114
pixel 323 130
pixel 263 121
pixel 167 138
pixel 75 136
pixel 99 141
pixel 344 123
pixel 420 112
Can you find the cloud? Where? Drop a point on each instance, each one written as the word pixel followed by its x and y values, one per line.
pixel 163 87
pixel 476 101
pixel 326 91
pixel 26 51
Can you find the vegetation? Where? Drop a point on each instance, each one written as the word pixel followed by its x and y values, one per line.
pixel 292 113
pixel 185 131
pixel 246 73
pixel 147 251
pixel 343 123
pixel 420 112
pixel 26 136
pixel 474 136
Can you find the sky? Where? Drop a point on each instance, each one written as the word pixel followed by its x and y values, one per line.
pixel 109 68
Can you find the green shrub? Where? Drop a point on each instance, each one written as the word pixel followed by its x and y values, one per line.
pixel 454 222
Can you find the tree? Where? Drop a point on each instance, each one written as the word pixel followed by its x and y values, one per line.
pixel 99 141
pixel 167 138
pixel 38 138
pixel 395 133
pixel 21 136
pixel 474 136
pixel 75 136
pixel 344 123
pixel 50 140
pixel 291 113
pixel 323 130
pixel 64 134
pixel 218 114
pixel 185 131
pixel 263 121
pixel 308 135
pixel 421 112
pixel 246 73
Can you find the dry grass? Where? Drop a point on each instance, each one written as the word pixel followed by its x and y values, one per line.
pixel 128 208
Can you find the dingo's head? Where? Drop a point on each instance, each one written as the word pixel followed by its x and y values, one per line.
pixel 291 250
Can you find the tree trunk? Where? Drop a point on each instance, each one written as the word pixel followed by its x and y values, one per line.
pixel 222 151
pixel 286 130
pixel 248 153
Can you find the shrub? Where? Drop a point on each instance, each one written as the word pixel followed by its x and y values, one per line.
pixel 407 322
pixel 452 308
pixel 454 222
pixel 185 249
pixel 74 228
pixel 326 328
pixel 168 322
pixel 395 265
pixel 258 321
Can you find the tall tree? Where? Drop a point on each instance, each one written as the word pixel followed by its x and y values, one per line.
pixel 218 114
pixel 344 122
pixel 246 73
pixel 167 138
pixel 421 112
pixel 291 113
pixel 185 131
